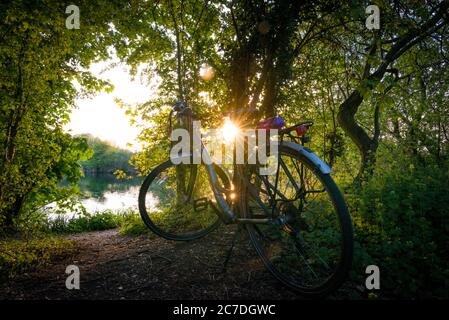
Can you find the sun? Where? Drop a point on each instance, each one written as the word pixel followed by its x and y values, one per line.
pixel 229 130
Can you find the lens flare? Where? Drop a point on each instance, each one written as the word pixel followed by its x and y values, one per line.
pixel 207 72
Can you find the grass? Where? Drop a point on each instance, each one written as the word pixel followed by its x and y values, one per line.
pixel 20 255
pixel 129 223
pixel 133 225
pixel 89 222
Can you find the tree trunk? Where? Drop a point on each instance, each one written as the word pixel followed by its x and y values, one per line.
pixel 346 113
pixel 366 145
pixel 11 213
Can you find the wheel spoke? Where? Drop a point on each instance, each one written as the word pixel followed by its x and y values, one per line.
pixel 174 201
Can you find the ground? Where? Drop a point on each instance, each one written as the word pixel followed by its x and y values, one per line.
pixel 113 266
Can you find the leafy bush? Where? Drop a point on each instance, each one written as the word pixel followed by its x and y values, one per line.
pixel 402 225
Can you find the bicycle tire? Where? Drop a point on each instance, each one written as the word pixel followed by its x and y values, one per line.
pixel 153 226
pixel 341 272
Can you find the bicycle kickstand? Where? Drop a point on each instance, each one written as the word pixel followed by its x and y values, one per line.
pixel 229 252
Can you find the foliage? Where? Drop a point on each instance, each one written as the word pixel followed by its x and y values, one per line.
pixel 401 224
pixel 40 60
pixel 106 158
pixel 378 99
pixel 314 60
pixel 20 255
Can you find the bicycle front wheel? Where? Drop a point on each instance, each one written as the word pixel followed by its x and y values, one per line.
pixel 308 245
pixel 176 201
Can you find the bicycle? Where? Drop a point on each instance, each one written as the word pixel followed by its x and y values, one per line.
pixel 296 219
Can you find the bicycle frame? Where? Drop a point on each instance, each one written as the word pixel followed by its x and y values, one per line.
pixel 267 197
pixel 226 213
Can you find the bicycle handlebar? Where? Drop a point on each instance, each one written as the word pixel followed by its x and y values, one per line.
pixel 179 105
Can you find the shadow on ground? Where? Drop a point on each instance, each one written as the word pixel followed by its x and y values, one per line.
pixel 113 266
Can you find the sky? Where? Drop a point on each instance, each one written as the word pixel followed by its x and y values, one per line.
pixel 101 116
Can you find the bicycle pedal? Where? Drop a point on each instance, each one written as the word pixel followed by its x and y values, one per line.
pixel 200 204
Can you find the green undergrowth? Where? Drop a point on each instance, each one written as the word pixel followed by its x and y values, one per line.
pixel 21 255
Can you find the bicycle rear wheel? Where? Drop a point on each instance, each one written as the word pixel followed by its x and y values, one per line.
pixel 308 245
pixel 176 201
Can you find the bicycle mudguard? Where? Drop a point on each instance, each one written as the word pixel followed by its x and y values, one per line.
pixel 321 164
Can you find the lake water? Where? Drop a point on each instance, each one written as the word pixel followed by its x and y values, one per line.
pixel 106 192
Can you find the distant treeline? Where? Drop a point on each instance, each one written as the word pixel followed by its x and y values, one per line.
pixel 106 158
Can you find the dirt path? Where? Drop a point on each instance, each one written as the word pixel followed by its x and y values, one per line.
pixel 147 267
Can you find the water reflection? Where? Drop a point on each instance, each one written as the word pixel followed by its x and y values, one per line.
pixel 106 192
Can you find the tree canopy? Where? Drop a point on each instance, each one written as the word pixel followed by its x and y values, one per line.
pixel 379 97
